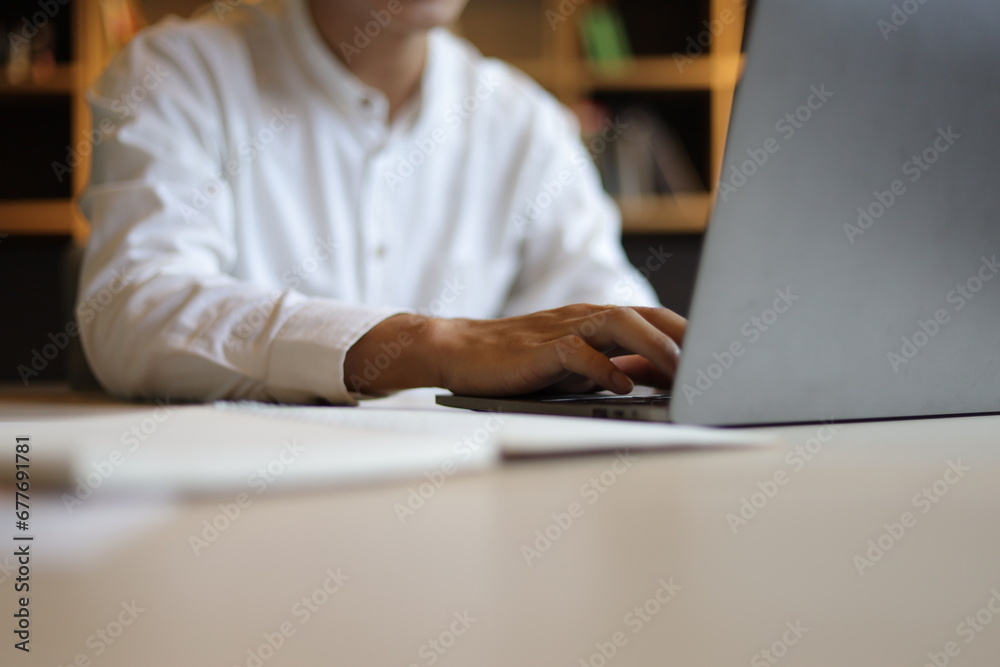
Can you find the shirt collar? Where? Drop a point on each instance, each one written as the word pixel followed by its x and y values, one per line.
pixel 349 91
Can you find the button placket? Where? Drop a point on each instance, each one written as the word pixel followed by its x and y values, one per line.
pixel 376 247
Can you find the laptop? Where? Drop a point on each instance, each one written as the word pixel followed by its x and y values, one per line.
pixel 850 269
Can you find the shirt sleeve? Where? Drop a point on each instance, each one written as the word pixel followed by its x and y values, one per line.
pixel 159 312
pixel 572 250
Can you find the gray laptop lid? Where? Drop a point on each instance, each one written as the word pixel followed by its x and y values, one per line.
pixel 850 268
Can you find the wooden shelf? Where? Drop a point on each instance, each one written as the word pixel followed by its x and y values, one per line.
pixel 563 69
pixel 62 82
pixel 90 53
pixel 667 73
pixel 651 73
pixel 44 217
pixel 683 213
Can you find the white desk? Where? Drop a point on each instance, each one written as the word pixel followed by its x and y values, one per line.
pixel 664 519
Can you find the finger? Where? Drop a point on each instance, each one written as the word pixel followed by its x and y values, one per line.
pixel 641 371
pixel 576 356
pixel 665 320
pixel 627 329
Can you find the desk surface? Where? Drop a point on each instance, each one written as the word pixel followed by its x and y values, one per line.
pixel 647 560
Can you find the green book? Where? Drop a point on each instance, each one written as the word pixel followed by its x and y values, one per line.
pixel 604 38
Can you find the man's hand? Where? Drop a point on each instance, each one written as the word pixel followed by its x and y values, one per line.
pixel 572 349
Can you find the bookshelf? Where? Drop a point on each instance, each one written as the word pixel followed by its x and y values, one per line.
pixel 52 104
pixel 541 37
pixel 522 32
pixel 60 82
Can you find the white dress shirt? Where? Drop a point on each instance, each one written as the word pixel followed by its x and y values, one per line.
pixel 254 212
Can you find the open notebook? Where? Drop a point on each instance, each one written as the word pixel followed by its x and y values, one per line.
pixel 247 446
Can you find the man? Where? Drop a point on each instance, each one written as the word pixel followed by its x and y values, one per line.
pixel 318 199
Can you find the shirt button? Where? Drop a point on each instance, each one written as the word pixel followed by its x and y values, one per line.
pixel 380 251
pixel 366 102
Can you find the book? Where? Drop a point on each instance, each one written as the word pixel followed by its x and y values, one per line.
pixel 604 38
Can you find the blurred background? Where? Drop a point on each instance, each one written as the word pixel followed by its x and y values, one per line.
pixel 666 69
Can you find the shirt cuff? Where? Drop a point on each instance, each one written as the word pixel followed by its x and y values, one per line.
pixel 307 354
